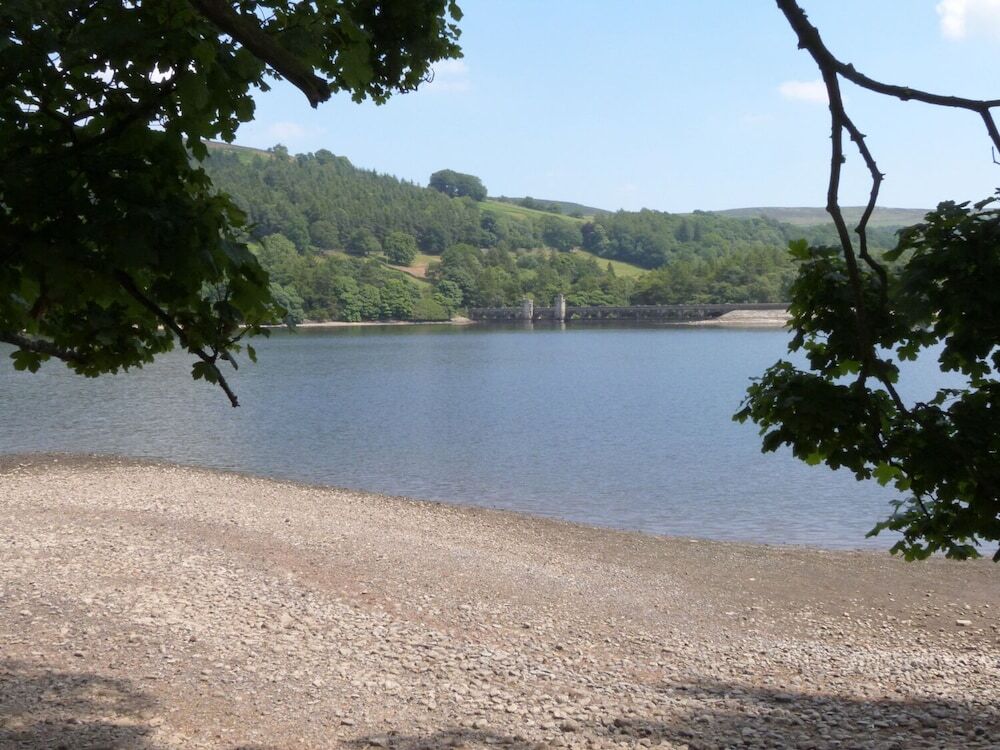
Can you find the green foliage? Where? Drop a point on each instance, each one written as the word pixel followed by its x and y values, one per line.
pixel 701 257
pixel 449 295
pixel 499 277
pixel 755 274
pixel 651 239
pixel 326 193
pixel 566 208
pixel 942 449
pixel 115 244
pixel 430 308
pixel 397 300
pixel 288 298
pixel 324 234
pixel 400 248
pixel 560 234
pixel 458 185
pixel 332 286
pixel 363 242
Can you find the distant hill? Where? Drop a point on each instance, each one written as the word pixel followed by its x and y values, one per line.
pixel 805 216
pixel 326 229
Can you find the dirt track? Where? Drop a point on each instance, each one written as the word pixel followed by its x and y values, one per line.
pixel 151 606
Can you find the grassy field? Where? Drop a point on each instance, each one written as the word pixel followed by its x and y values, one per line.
pixel 622 268
pixel 413 275
pixel 245 153
pixel 520 212
pixel 565 207
pixel 423 259
pixel 417 270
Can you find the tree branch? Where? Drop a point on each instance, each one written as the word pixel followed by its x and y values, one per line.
pixel 832 70
pixel 128 284
pixel 247 31
pixel 809 39
pixel 39 346
pixel 862 228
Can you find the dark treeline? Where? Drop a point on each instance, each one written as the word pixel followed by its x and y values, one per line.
pixel 320 200
pixel 326 230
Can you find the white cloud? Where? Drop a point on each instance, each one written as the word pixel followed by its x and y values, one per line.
pixel 450 76
pixel 963 18
pixel 813 92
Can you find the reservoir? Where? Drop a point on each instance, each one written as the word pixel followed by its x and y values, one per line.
pixel 614 426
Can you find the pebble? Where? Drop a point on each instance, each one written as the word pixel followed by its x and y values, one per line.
pixel 244 641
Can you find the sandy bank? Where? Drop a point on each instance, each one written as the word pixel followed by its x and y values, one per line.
pixel 153 606
pixel 746 319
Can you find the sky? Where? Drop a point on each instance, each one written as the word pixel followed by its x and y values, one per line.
pixel 674 105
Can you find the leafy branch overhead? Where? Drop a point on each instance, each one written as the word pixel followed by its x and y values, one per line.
pixel 857 319
pixel 116 245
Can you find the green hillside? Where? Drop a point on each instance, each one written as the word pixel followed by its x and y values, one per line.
pixel 620 267
pixel 512 209
pixel 882 217
pixel 347 243
pixel 567 208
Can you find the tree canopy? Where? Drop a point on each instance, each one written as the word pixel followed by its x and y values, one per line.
pixel 116 245
pixel 319 201
pixel 858 319
pixel 458 185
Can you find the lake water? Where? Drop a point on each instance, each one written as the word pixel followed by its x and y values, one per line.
pixel 622 427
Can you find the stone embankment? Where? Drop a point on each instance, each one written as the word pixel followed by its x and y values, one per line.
pixel 150 606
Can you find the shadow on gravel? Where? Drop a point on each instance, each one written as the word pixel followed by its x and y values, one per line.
pixel 714 714
pixel 43 708
pixel 455 737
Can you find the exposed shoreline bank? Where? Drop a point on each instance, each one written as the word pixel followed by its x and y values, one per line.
pixel 736 319
pixel 746 319
pixel 211 609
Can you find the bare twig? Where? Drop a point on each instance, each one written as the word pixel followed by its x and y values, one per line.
pixel 809 39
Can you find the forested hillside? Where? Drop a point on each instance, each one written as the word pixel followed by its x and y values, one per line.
pixel 346 243
pixel 652 238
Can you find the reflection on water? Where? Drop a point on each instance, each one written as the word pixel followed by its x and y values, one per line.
pixel 625 427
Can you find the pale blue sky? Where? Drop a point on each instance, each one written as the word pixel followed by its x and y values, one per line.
pixel 673 105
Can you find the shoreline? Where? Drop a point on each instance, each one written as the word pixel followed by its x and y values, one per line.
pixel 146 604
pixel 735 319
pixel 457 321
pixel 22 461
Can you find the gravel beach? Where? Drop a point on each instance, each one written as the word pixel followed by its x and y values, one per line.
pixel 145 605
pixel 746 319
